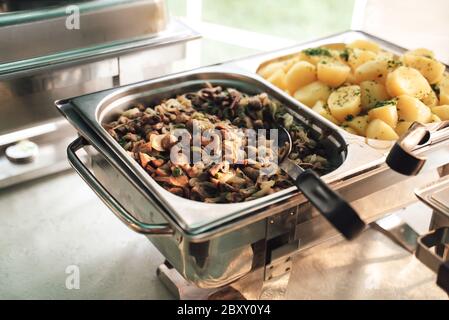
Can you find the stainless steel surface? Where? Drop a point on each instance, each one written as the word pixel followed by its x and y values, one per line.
pixel 435 196
pixel 26 101
pixel 99 24
pixel 52 139
pixel 442 198
pixel 433 248
pixel 121 213
pixel 21 5
pixel 28 91
pixel 398 231
pixel 24 151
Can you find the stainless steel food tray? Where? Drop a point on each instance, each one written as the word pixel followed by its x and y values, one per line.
pixel 253 63
pixel 195 217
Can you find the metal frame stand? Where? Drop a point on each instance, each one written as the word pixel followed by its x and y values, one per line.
pixel 266 283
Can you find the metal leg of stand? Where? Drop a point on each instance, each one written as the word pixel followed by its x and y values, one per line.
pixel 264 283
pixel 180 287
pixel 398 231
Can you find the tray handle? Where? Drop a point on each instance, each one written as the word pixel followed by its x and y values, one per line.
pixel 436 260
pixel 401 157
pixel 107 198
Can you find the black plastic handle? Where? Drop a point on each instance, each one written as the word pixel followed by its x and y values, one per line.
pixel 443 277
pixel 330 204
pixel 400 158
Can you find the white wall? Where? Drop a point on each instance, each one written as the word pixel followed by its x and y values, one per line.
pixel 409 23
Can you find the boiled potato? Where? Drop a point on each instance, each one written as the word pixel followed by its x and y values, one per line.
pixel 378 129
pixel 444 89
pixel 431 69
pixel 372 70
pixel 358 124
pixel 300 74
pixel 315 55
pixel 350 130
pixel 442 112
pixel 403 127
pixel 335 46
pixel 372 92
pixel 333 74
pixel 385 55
pixel 321 108
pixel 357 57
pixel 269 69
pixel 365 45
pixel 278 79
pixel 387 113
pixel 351 78
pixel 345 102
pixel 287 64
pixel 422 52
pixel 430 99
pixel 312 92
pixel 407 81
pixel 412 109
pixel 435 118
pixel 364 89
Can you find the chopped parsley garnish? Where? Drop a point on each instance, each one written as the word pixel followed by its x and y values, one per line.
pixel 435 88
pixel 393 64
pixel 122 141
pixel 176 172
pixel 345 55
pixel 317 52
pixel 384 103
pixel 349 117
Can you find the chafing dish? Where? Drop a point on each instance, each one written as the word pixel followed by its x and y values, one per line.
pixel 213 245
pixel 107 50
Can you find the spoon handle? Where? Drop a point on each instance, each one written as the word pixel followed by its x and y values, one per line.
pixel 330 204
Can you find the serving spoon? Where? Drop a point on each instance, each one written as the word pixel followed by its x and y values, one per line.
pixel 329 203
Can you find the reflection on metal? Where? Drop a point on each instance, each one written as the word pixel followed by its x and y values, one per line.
pixel 180 288
pixel 52 156
pixel 99 24
pixel 433 251
pixel 433 247
pixel 109 50
pixel 398 231
pixel 23 151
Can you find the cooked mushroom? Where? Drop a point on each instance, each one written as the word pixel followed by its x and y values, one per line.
pixel 147 134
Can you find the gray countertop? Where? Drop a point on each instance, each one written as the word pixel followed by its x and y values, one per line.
pixel 56 222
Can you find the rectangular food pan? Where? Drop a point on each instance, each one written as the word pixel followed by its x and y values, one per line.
pixel 256 62
pixel 192 216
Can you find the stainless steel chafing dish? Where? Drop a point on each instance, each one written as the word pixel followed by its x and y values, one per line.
pixel 213 245
pixel 105 50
